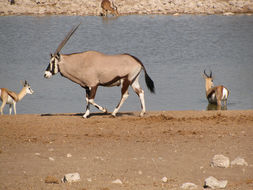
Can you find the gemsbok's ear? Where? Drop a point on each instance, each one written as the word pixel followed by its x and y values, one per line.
pixel 58 56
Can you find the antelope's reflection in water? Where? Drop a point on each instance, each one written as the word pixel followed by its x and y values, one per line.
pixel 216 107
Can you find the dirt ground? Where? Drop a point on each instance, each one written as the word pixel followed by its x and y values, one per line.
pixel 178 145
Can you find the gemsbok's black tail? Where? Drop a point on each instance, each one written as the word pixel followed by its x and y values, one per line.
pixel 149 82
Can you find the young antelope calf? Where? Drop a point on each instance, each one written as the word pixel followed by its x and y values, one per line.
pixel 107 6
pixel 215 94
pixel 11 98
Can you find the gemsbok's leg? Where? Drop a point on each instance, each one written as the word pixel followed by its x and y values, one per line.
pixel 124 95
pixel 87 112
pixel 90 95
pixel 137 88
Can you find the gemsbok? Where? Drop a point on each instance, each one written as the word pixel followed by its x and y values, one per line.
pixel 91 69
pixel 215 94
pixel 11 98
pixel 107 6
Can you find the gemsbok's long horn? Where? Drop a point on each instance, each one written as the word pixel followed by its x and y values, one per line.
pixel 61 45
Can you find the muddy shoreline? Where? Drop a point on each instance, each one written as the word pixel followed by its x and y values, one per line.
pixel 128 7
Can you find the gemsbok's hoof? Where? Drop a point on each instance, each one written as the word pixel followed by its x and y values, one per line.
pixel 142 114
pixel 113 115
pixel 85 116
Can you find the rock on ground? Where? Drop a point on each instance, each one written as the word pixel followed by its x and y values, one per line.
pixel 213 183
pixel 220 161
pixel 239 161
pixel 71 177
pixel 189 186
pixel 117 181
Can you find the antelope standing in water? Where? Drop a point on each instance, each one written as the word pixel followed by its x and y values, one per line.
pixel 91 69
pixel 215 94
pixel 107 6
pixel 11 98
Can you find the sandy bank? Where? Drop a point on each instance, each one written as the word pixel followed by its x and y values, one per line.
pixel 178 145
pixel 92 7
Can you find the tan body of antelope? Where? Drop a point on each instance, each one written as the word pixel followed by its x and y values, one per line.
pixel 11 98
pixel 107 6
pixel 215 94
pixel 91 69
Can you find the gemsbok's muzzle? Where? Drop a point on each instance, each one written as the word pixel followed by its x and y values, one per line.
pixel 47 74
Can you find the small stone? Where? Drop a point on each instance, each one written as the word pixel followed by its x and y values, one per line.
pixel 189 186
pixel 213 183
pixel 71 177
pixel 37 154
pixel 89 179
pixel 220 161
pixel 51 179
pixel 51 158
pixel 239 161
pixel 69 155
pixel 117 181
pixel 164 179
